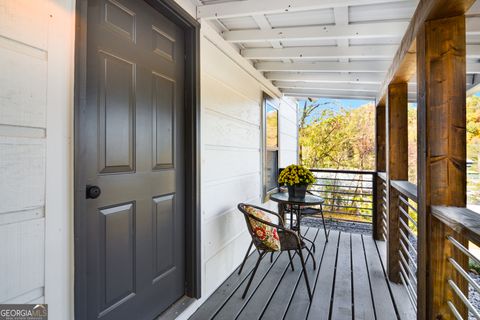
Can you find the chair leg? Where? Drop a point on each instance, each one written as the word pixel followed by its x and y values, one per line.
pixel 324 228
pixel 291 260
pixel 313 258
pixel 253 274
pixel 313 244
pixel 246 257
pixel 305 274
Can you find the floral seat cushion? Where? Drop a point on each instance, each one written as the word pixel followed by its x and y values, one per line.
pixel 268 235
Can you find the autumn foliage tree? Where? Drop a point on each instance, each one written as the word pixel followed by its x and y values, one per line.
pixel 339 139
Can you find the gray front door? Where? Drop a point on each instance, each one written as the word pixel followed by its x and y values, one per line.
pixel 135 156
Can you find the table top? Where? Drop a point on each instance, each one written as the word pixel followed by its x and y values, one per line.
pixel 282 197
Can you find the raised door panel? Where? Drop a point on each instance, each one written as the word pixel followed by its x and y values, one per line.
pixel 116 115
pixel 163 231
pixel 163 121
pixel 117 256
pixel 120 19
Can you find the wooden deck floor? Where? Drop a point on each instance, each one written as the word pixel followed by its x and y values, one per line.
pixel 349 283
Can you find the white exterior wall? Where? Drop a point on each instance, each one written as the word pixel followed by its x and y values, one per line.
pixel 36 86
pixel 231 109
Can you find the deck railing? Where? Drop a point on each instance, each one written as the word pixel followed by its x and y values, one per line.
pixel 454 231
pixel 451 234
pixel 348 194
pixel 381 205
pixel 403 217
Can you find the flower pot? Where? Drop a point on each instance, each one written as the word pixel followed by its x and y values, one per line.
pixel 297 191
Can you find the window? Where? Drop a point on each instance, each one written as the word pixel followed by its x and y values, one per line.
pixel 270 146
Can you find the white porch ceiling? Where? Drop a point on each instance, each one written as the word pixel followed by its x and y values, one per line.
pixel 325 48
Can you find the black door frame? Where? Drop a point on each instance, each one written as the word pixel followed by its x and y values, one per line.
pixel 181 18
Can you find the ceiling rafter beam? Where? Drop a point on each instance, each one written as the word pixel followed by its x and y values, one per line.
pixel 412 96
pixel 369 87
pixel 357 66
pixel 330 52
pixel 351 31
pixel 373 78
pixel 251 7
pixel 352 52
pixel 334 86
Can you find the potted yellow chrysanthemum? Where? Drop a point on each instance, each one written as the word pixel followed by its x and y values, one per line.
pixel 296 178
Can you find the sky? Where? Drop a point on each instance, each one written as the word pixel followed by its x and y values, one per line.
pixel 336 104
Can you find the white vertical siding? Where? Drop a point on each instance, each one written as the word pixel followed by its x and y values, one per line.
pixel 231 158
pixel 36 49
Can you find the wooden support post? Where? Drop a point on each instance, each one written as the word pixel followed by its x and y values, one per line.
pixel 441 126
pixel 380 167
pixel 397 169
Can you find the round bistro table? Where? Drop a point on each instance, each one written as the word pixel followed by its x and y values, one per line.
pixel 294 206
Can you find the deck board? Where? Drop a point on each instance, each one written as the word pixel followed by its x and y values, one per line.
pixel 342 295
pixel 362 297
pixel 320 306
pixel 404 306
pixel 384 307
pixel 349 283
pixel 262 297
pixel 298 306
pixel 279 303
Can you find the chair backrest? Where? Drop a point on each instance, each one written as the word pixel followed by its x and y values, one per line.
pixel 261 227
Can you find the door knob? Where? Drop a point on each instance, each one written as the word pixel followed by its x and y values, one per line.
pixel 93 192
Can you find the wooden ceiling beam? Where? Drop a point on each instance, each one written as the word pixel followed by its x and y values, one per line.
pixel 403 66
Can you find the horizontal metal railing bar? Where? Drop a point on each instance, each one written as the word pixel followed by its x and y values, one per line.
pixel 454 310
pixel 341 186
pixel 341 179
pixel 463 249
pixel 405 213
pixel 385 232
pixel 343 192
pixel 350 171
pixel 412 300
pixel 385 223
pixel 407 279
pixel 384 216
pixel 347 220
pixel 464 299
pixel 344 199
pixel 467 277
pixel 408 229
pixel 410 245
pixel 402 198
pixel 411 273
pixel 412 259
pixel 348 207
pixel 348 213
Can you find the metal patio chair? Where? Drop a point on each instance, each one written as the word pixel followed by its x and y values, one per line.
pixel 289 241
